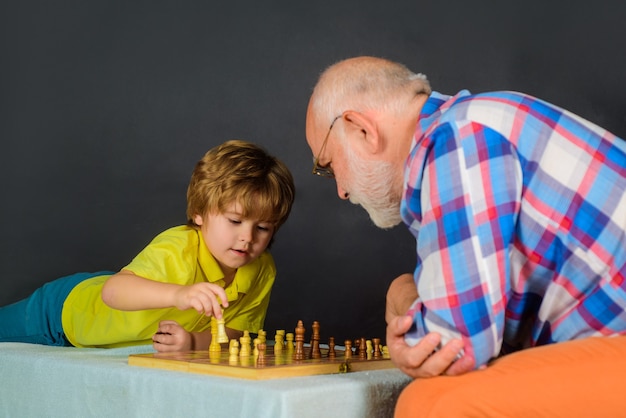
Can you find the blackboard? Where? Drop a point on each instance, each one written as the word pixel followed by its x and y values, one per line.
pixel 106 106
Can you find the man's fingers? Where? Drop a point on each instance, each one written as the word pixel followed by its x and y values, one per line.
pixel 425 360
pixel 442 359
pixel 402 324
pixel 415 359
pixel 462 365
pixel 396 330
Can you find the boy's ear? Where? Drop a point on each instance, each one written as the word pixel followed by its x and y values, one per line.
pixel 360 125
pixel 198 220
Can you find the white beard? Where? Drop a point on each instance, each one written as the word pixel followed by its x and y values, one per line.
pixel 374 186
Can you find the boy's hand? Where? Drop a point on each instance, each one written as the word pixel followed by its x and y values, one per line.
pixel 203 297
pixel 171 337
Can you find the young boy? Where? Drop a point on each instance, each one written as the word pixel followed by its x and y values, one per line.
pixel 237 199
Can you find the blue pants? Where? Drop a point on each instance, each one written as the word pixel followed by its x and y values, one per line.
pixel 37 319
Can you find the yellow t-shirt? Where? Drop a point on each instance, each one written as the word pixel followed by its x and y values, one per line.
pixel 177 255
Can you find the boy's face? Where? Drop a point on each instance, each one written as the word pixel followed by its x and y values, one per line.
pixel 232 240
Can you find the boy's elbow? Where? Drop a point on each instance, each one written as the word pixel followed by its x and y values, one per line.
pixel 107 294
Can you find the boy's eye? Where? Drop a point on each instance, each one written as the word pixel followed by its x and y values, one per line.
pixel 263 227
pixel 234 221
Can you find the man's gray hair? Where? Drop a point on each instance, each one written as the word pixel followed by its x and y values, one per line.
pixel 366 83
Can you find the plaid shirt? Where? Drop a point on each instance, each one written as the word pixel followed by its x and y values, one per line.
pixel 519 214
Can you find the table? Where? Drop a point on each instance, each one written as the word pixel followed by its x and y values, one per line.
pixel 76 382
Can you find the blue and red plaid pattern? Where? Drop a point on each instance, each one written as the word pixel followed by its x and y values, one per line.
pixel 518 208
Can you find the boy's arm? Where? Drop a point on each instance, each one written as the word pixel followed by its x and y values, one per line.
pixel 128 292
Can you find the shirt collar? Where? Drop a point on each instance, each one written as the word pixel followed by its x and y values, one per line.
pixel 437 104
pixel 433 108
pixel 244 277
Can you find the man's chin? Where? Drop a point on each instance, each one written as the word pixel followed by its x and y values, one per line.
pixel 386 220
pixel 386 223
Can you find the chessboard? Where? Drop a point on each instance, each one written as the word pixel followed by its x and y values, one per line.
pixel 281 358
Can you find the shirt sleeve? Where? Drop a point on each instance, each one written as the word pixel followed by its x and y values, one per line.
pixel 169 258
pixel 468 199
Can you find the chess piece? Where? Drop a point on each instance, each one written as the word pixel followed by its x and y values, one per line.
pixel 315 341
pixel 245 348
pixel 348 345
pixel 377 352
pixel 385 351
pixel 261 353
pixel 369 349
pixel 278 342
pixel 262 335
pixel 331 347
pixel 281 332
pixel 362 349
pixel 289 342
pixel 299 353
pixel 233 351
pixel 214 346
pixel 256 342
pixel 233 348
pixel 221 331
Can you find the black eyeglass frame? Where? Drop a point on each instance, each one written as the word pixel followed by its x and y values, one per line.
pixel 327 170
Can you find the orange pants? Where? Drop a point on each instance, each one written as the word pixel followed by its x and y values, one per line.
pixel 582 378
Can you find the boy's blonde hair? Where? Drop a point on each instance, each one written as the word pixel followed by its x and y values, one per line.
pixel 242 172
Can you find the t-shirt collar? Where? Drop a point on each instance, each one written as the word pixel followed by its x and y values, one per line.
pixel 213 273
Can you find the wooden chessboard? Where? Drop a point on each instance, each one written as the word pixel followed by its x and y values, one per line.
pixel 269 366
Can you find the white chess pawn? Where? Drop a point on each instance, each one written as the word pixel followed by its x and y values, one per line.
pixel 281 332
pixel 256 341
pixel 289 342
pixel 278 343
pixel 233 348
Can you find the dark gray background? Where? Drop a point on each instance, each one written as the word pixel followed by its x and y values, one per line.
pixel 106 106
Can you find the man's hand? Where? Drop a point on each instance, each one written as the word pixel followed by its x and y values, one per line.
pixel 422 360
pixel 171 337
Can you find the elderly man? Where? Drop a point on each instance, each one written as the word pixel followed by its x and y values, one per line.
pixel 519 214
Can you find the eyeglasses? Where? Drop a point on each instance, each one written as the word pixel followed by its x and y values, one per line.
pixel 324 171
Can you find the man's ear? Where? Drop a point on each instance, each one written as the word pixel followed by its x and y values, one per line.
pixel 359 125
